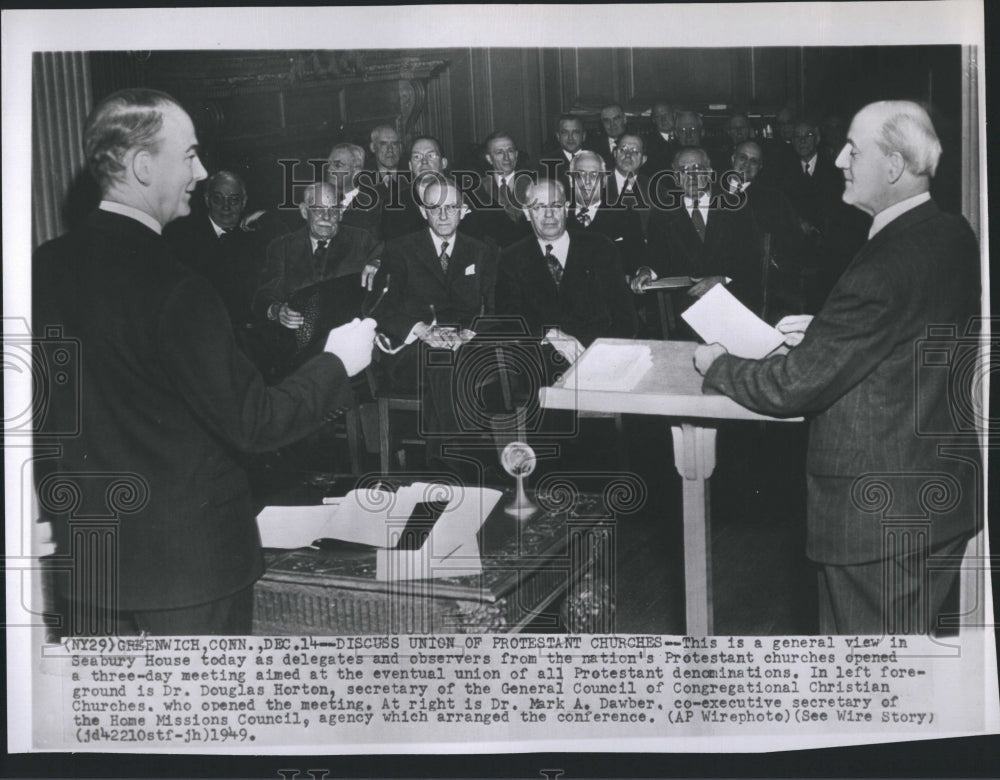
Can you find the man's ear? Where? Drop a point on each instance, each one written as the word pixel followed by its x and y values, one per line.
pixel 423 212
pixel 444 163
pixel 304 211
pixel 142 165
pixel 896 167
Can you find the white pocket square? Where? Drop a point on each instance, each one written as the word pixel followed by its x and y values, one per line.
pixel 470 270
pixel 620 238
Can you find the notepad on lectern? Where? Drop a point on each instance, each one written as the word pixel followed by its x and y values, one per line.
pixel 613 367
pixel 719 317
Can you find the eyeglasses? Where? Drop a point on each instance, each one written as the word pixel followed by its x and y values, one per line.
pixel 803 136
pixel 324 211
pixel 630 151
pixel 218 199
pixel 694 169
pixel 425 157
pixel 449 209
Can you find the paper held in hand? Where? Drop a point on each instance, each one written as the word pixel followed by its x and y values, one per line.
pixel 421 531
pixel 718 317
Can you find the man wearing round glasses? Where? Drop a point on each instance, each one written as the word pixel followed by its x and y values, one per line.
pixel 402 215
pixel 323 249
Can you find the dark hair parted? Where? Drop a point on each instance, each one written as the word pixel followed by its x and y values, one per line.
pixel 125 120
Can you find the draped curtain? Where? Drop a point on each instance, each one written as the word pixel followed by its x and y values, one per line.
pixel 61 99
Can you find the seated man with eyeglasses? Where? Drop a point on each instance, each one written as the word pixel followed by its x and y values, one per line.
pixel 432 285
pixel 226 245
pixel 698 231
pixel 322 249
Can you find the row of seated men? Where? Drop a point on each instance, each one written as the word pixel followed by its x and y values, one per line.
pixel 567 247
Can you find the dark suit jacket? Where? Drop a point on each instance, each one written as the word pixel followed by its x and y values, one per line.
pixel 290 267
pixel 881 414
pixel 490 220
pixel 637 198
pixel 816 197
pixel 620 224
pixel 416 281
pixel 232 262
pixel 554 165
pixel 165 400
pixel 659 153
pixel 730 249
pixel 592 301
pixel 365 209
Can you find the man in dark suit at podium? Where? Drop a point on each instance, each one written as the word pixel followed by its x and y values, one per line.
pixel 884 433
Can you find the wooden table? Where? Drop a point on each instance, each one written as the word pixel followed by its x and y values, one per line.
pixel 550 569
pixel 672 388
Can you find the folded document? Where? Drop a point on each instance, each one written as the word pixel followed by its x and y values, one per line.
pixel 420 531
pixel 719 317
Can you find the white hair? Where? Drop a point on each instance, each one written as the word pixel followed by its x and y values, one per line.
pixel 589 155
pixel 907 129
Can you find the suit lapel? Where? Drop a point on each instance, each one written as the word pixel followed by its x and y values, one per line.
pixel 428 255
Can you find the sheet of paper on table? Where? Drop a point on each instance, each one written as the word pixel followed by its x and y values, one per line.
pixel 719 317
pixel 378 518
pixel 615 367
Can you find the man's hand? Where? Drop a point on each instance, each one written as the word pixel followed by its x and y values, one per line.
pixel 705 284
pixel 706 354
pixel 642 277
pixel 438 336
pixel 794 327
pixel 368 274
pixel 289 317
pixel 566 345
pixel 353 343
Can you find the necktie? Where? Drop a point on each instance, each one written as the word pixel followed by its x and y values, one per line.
pixel 613 144
pixel 629 183
pixel 319 256
pixel 443 257
pixel 805 167
pixel 554 268
pixel 698 221
pixel 584 217
pixel 504 192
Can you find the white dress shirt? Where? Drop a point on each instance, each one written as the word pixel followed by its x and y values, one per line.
pixel 130 211
pixel 886 216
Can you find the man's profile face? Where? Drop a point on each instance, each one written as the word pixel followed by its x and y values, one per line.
pixel 546 211
pixel 738 129
pixel 225 201
pixel 586 177
pixel 443 210
pixel 571 135
pixel 629 156
pixel 865 165
pixel 695 173
pixel 748 160
pixel 321 211
pixel 688 129
pixel 805 140
pixel 425 157
pixel 613 119
pixel 343 167
pixel 387 148
pixel 663 117
pixel 502 155
pixel 174 167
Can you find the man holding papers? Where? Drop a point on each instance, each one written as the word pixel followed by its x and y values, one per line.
pixel 893 463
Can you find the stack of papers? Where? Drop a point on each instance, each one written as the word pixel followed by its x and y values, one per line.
pixel 718 317
pixel 443 518
pixel 613 367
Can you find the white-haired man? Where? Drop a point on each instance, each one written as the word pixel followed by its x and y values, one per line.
pixel 892 483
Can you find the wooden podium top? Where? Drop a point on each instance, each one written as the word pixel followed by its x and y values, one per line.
pixel 671 388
